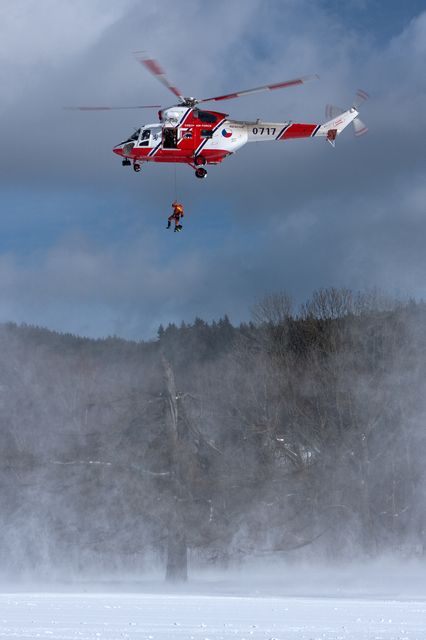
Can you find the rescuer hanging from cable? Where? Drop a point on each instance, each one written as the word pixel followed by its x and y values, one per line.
pixel 176 216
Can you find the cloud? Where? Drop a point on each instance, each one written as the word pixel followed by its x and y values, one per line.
pixel 42 35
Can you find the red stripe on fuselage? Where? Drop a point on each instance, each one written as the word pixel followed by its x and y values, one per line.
pixel 298 131
pixel 179 155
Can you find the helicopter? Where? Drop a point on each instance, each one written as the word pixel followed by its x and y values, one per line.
pixel 200 137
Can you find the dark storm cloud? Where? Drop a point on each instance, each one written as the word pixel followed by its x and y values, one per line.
pixel 90 253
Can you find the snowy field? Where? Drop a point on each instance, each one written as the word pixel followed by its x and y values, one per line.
pixel 140 616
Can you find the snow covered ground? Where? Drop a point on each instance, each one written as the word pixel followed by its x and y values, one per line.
pixel 161 616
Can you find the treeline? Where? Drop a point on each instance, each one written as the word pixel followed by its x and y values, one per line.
pixel 300 433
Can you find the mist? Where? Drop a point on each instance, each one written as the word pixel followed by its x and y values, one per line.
pixel 297 438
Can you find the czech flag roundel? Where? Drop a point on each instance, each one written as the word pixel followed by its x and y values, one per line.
pixel 226 134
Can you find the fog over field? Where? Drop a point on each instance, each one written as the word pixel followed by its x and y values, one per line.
pixel 287 601
pixel 298 436
pixel 233 473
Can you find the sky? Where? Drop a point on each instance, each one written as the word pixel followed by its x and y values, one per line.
pixel 83 243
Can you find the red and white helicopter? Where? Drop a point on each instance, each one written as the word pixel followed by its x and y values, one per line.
pixel 198 137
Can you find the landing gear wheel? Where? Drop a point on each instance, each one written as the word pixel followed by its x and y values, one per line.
pixel 126 162
pixel 200 173
pixel 136 167
pixel 199 160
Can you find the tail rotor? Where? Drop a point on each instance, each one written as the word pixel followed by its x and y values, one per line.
pixel 359 127
pixel 331 112
pixel 360 97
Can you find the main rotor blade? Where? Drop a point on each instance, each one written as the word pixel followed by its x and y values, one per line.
pixel 154 68
pixel 144 106
pixel 266 87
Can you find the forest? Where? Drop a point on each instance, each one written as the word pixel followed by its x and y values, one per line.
pixel 300 434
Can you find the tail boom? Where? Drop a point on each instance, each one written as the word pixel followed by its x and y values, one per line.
pixel 262 131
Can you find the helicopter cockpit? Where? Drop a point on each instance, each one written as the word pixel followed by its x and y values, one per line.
pixel 133 138
pixel 145 135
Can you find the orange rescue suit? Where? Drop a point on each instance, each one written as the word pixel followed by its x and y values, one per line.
pixel 177 212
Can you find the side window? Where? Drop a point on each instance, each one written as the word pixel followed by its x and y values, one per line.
pixel 144 141
pixel 206 133
pixel 206 116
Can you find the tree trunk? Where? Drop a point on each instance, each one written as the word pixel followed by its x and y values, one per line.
pixel 177 550
pixel 177 556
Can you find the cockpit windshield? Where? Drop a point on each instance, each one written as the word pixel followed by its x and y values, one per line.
pixel 134 136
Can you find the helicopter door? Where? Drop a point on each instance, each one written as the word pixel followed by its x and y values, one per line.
pixel 170 138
